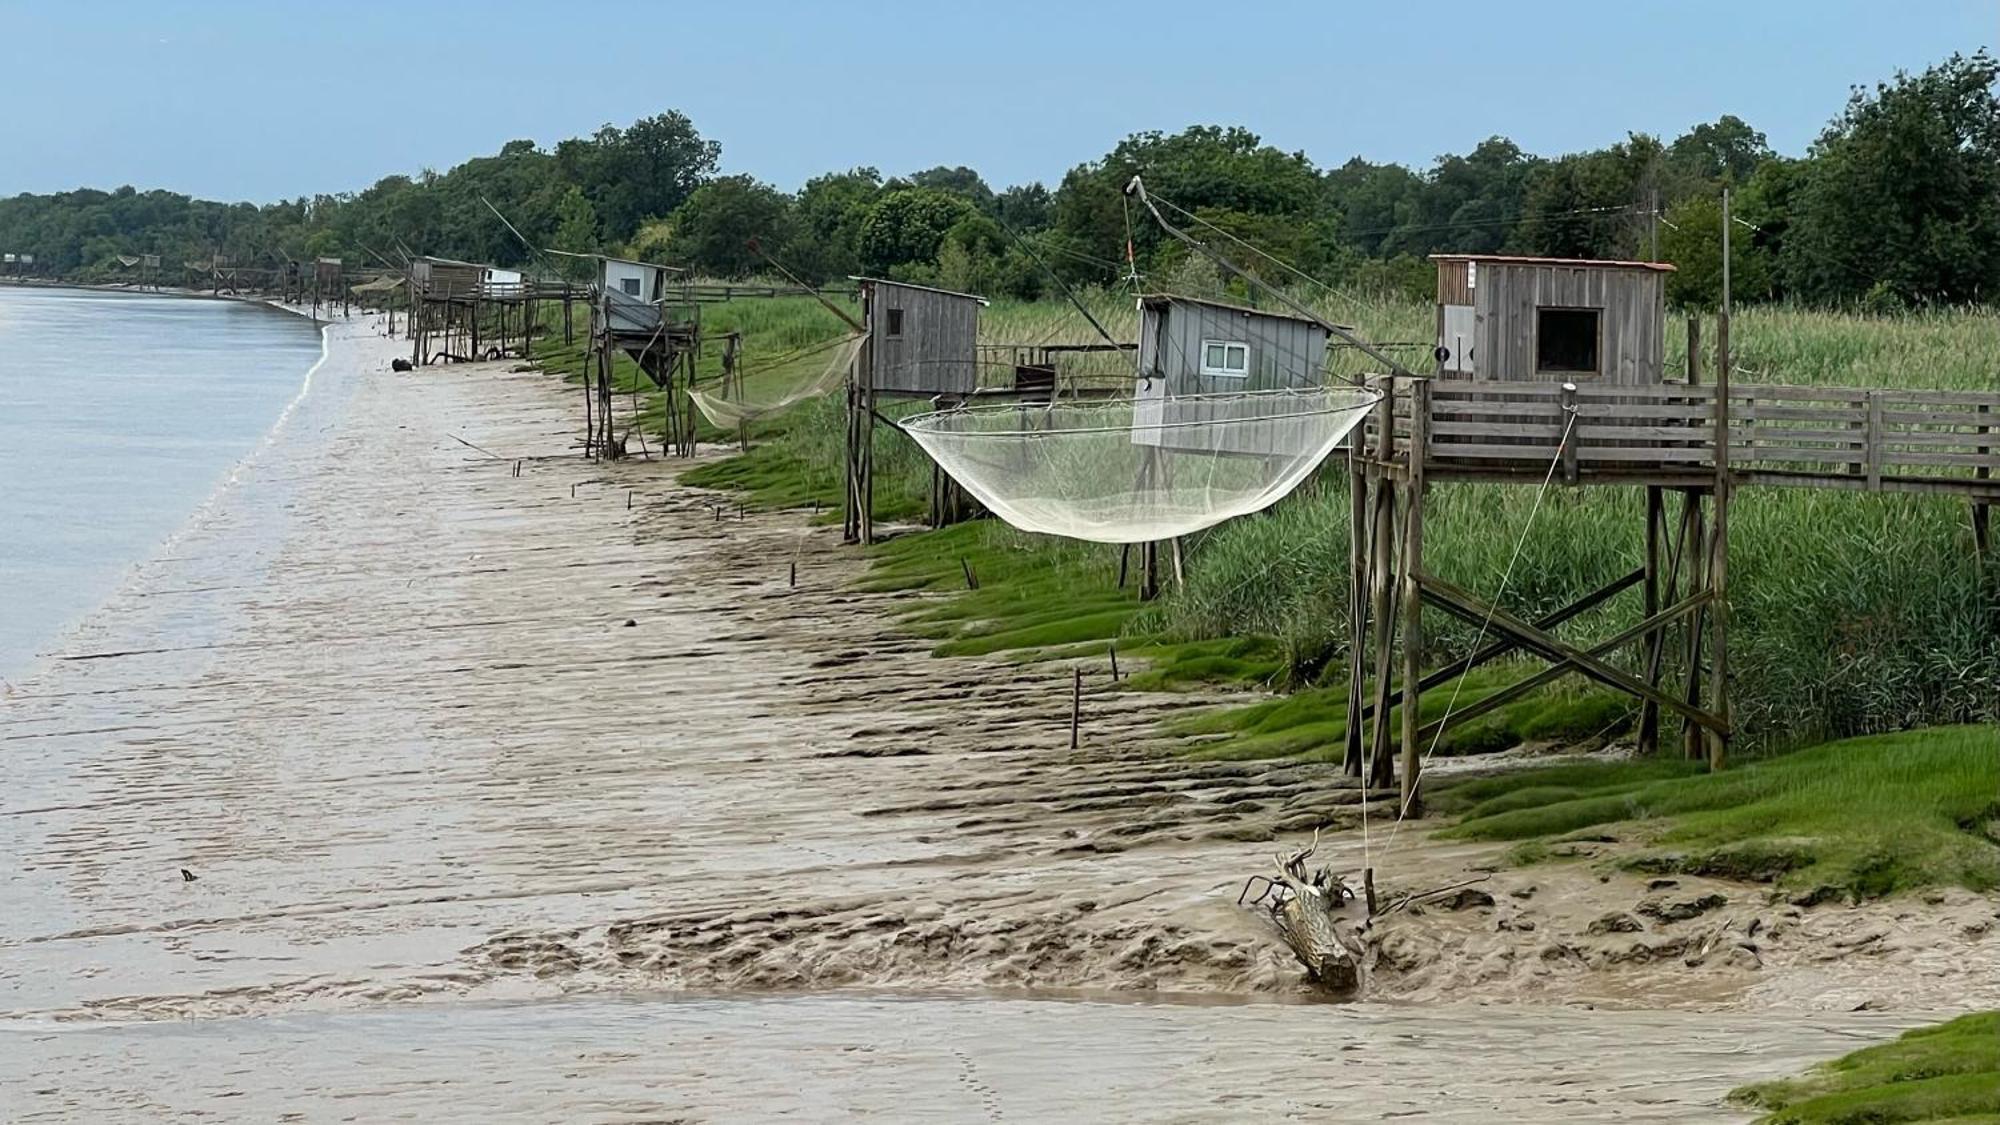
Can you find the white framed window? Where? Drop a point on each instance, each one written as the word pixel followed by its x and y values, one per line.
pixel 1227 358
pixel 630 285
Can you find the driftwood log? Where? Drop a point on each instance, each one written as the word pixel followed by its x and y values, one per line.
pixel 1317 916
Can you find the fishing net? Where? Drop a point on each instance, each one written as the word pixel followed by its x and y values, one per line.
pixel 1143 468
pixel 764 389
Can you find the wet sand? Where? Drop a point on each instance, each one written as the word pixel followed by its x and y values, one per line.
pixel 518 787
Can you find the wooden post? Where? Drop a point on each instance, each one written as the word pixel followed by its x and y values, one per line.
pixel 1982 512
pixel 1075 705
pixel 1358 523
pixel 1649 712
pixel 1381 574
pixel 1570 437
pixel 1693 548
pixel 1413 561
pixel 1718 547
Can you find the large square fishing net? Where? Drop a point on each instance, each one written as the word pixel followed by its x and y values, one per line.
pixel 1141 468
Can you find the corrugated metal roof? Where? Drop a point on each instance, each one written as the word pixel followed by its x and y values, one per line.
pixel 1155 300
pixel 1523 260
pixel 925 288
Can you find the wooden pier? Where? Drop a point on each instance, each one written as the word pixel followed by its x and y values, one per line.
pixel 1661 437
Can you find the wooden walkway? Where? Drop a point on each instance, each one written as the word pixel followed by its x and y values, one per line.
pixel 1812 437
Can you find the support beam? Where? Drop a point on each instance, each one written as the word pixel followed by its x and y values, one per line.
pixel 1493 650
pixel 1413 603
pixel 1462 604
pixel 1500 698
pixel 1358 547
pixel 1649 712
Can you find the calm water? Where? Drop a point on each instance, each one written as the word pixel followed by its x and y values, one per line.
pixel 119 414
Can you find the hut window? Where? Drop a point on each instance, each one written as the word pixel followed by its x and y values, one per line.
pixel 1225 357
pixel 895 322
pixel 1566 341
pixel 630 285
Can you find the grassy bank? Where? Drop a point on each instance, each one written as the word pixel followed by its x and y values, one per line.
pixel 1950 1072
pixel 1858 818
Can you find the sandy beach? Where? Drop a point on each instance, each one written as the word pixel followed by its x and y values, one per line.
pixel 515 786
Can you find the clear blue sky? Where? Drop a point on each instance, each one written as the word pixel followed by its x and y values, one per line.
pixel 240 100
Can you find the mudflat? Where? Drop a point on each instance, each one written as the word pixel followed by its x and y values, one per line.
pixel 511 785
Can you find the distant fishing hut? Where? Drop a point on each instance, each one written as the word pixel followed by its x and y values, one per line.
pixel 463 311
pixel 921 343
pixel 639 310
pixel 1552 372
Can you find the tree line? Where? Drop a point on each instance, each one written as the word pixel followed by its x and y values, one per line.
pixel 1896 204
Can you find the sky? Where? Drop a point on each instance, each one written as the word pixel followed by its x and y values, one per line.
pixel 260 101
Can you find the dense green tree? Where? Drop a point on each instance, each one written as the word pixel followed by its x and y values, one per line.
pixel 1691 239
pixel 576 223
pixel 961 181
pixel 826 239
pixel 908 225
pixel 1902 196
pixel 712 231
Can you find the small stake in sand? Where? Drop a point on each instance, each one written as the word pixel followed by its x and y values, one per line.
pixel 572 491
pixel 1075 705
pixel 1114 662
pixel 793 581
pixel 628 499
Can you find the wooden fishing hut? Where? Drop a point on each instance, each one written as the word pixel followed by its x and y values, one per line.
pixel 464 311
pixel 1551 372
pixel 637 309
pixel 920 343
pixel 1189 346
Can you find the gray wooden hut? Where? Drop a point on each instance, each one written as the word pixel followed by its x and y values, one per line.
pixel 922 342
pixel 1542 320
pixel 1194 346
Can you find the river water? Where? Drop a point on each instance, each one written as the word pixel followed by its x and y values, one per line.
pixel 119 414
pixel 517 788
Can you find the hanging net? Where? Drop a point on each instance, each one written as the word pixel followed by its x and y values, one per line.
pixel 769 387
pixel 1138 469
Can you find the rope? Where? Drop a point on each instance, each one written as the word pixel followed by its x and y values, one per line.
pixel 1520 544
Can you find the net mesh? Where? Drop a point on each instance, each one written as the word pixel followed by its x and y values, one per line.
pixel 767 388
pixel 1143 468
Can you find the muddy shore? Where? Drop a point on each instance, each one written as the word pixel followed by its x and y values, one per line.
pixel 500 740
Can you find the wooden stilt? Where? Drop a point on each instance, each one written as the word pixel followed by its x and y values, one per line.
pixel 1413 606
pixel 1359 521
pixel 1649 712
pixel 1382 589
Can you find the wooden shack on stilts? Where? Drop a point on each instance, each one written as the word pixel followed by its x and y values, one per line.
pixel 639 311
pixel 464 311
pixel 921 343
pixel 1550 374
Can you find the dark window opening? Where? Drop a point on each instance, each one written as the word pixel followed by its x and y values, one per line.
pixel 1566 341
pixel 895 322
pixel 630 285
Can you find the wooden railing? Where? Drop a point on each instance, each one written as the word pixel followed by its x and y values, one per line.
pixel 1840 437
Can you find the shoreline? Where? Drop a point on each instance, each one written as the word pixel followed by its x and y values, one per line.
pixel 45 648
pixel 385 704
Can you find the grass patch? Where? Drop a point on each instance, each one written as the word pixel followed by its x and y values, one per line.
pixel 1863 817
pixel 1312 723
pixel 1950 1072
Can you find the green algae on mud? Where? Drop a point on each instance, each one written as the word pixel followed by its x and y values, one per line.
pixel 1860 818
pixel 1948 1072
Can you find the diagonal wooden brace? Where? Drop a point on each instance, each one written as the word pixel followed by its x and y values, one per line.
pixel 1461 604
pixel 1502 647
pixel 1502 697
